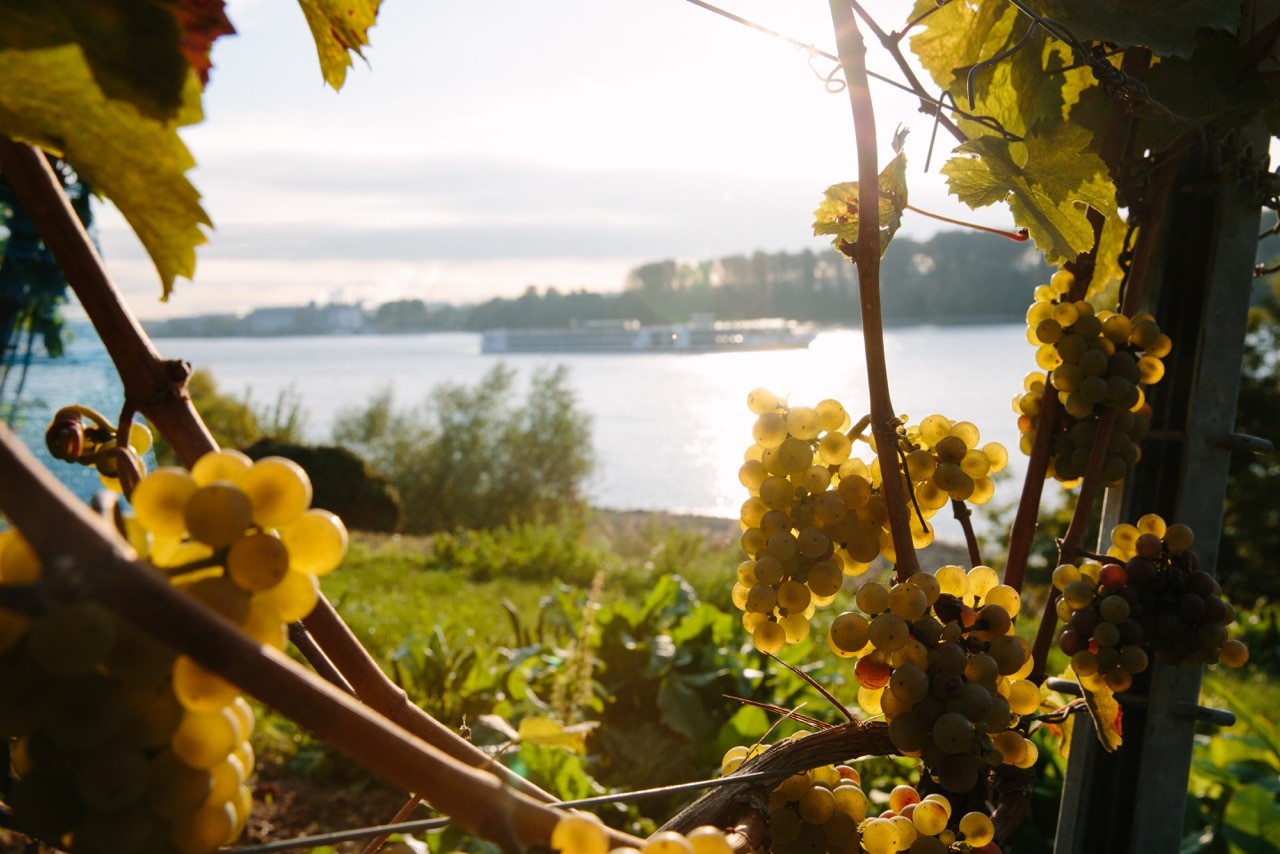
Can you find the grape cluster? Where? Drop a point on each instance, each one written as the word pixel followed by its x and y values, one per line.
pixel 583 833
pixel 70 439
pixel 816 513
pixel 923 826
pixel 1096 360
pixel 1152 598
pixel 825 809
pixel 944 462
pixel 130 747
pixel 937 656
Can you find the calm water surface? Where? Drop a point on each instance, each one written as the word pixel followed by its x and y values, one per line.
pixel 669 430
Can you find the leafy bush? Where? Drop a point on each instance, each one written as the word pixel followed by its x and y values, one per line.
pixel 477 457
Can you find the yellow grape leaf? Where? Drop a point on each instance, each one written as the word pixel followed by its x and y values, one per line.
pixel 49 98
pixel 546 732
pixel 837 214
pixel 340 28
pixel 1106 714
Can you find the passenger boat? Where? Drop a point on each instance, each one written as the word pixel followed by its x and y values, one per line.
pixel 702 334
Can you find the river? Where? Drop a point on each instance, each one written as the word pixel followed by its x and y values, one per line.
pixel 669 429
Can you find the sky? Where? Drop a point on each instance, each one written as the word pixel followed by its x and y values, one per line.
pixel 490 145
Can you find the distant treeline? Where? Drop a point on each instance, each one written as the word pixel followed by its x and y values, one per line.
pixel 954 277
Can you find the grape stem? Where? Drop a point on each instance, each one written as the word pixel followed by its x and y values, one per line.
pixel 965 517
pixel 1020 235
pixel 866 254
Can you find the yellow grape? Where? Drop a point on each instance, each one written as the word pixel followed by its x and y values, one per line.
pixel 199 690
pixel 278 489
pixel 580 833
pixel 708 840
pixel 205 739
pixel 258 562
pixel 18 561
pixel 293 597
pixel 160 500
pixel 204 830
pixel 220 465
pixel 769 638
pixel 667 842
pixel 977 829
pixel 217 514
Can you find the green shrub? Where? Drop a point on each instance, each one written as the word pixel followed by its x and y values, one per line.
pixel 477 457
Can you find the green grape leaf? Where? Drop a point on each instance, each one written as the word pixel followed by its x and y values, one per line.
pixel 1252 821
pixel 49 97
pixel 1107 716
pixel 837 214
pixel 1047 180
pixel 960 34
pixel 340 28
pixel 139 52
pixel 1167 27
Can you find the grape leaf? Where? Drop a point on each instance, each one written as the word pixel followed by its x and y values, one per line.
pixel 139 52
pixel 203 22
pixel 1168 27
pixel 960 34
pixel 547 732
pixel 1252 821
pixel 838 213
pixel 1047 180
pixel 1107 715
pixel 49 97
pixel 340 28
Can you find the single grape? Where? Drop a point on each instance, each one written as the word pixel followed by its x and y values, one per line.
pixel 278 489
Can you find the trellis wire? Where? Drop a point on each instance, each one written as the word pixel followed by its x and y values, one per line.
pixel 435 823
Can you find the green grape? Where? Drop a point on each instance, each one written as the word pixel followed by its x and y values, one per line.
pixel 580 833
pixel 909 683
pixel 761 400
pixel 769 430
pixel 872 598
pixel 794 455
pixel 217 514
pixel 795 627
pixel 160 500
pixel 850 632
pixel 930 818
pixel 769 638
pixel 825 578
pixel 804 422
pixel 278 489
pixel 793 596
pixel 889 632
pixel 294 597
pixel 834 448
pixel 953 733
pixel 258 562
pixel 1024 697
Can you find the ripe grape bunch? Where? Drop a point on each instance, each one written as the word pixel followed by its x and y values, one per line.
pixel 132 747
pixel 1152 598
pixel 826 809
pixel 816 513
pixel 1095 360
pixel 937 656
pixel 583 833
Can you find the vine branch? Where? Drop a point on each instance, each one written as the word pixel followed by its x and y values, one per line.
pixel 866 254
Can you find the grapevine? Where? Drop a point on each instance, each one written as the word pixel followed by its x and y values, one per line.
pixel 129 640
